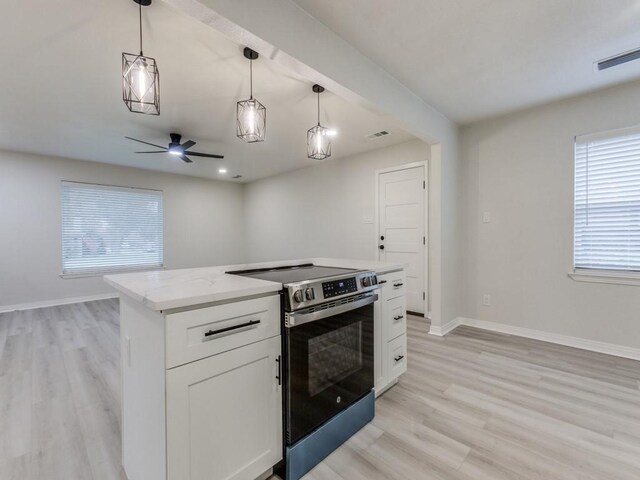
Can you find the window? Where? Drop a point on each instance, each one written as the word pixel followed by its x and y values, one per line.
pixel 607 201
pixel 108 228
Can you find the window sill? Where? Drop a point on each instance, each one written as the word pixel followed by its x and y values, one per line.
pixel 615 278
pixel 109 272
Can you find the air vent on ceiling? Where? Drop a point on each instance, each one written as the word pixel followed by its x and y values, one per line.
pixel 379 134
pixel 619 59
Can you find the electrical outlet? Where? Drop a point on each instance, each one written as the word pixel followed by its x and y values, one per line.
pixel 486 300
pixel 486 217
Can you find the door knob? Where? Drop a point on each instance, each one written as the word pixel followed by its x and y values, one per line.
pixel 381 237
pixel 381 247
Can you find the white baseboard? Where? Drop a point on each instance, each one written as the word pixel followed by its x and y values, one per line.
pixel 53 303
pixel 582 343
pixel 441 331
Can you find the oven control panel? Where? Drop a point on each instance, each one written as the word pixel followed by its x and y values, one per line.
pixel 339 287
pixel 300 295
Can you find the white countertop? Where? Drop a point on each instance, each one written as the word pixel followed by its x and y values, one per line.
pixel 168 289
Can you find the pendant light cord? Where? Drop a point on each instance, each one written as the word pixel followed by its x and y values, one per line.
pixel 251 78
pixel 140 19
pixel 318 108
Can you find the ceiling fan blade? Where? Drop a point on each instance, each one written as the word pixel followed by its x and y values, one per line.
pixel 188 144
pixel 146 143
pixel 156 151
pixel 209 155
pixel 186 159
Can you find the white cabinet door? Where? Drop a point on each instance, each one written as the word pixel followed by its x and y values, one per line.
pixel 224 415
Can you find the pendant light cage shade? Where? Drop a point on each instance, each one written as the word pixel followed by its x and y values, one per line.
pixel 251 121
pixel 140 84
pixel 318 143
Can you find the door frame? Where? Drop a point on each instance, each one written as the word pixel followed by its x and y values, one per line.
pixel 425 191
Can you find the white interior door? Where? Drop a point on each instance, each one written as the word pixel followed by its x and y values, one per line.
pixel 401 212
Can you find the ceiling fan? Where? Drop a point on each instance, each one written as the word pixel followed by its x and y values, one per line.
pixel 175 148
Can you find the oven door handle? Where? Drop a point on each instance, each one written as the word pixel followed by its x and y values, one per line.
pixel 295 319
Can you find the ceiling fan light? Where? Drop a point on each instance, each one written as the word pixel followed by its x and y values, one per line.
pixel 318 143
pixel 251 120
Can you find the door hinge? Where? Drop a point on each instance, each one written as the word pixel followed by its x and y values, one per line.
pixel 424 295
pixel 424 240
pixel 424 184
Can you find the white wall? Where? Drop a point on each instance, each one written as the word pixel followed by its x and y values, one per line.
pixel 319 210
pixel 202 220
pixel 446 276
pixel 520 168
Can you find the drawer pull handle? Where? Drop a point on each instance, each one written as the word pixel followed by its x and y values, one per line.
pixel 398 285
pixel 399 317
pixel 380 282
pixel 398 358
pixel 228 329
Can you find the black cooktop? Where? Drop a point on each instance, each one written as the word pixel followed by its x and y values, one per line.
pixel 292 274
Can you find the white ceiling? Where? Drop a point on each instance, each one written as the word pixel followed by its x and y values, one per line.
pixel 61 92
pixel 474 59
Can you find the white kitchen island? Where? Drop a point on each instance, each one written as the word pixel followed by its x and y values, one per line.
pixel 201 368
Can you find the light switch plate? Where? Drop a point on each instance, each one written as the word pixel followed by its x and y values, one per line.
pixel 486 217
pixel 367 219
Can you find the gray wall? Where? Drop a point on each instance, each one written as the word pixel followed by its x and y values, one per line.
pixel 319 211
pixel 520 168
pixel 202 221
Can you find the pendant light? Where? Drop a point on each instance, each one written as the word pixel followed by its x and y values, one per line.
pixel 140 77
pixel 318 137
pixel 251 114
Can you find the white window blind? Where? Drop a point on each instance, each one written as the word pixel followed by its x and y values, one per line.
pixel 107 228
pixel 607 201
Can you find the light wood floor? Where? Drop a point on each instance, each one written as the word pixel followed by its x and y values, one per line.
pixel 473 406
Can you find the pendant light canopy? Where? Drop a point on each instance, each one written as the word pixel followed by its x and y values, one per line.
pixel 140 77
pixel 318 137
pixel 251 114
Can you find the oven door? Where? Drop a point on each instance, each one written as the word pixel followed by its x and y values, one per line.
pixel 329 362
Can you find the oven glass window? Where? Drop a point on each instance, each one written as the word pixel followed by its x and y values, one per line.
pixel 334 356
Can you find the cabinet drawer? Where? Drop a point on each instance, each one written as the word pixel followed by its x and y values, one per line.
pixel 397 356
pixel 200 333
pixel 395 317
pixel 392 285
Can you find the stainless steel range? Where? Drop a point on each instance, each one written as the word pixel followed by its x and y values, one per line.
pixel 327 337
